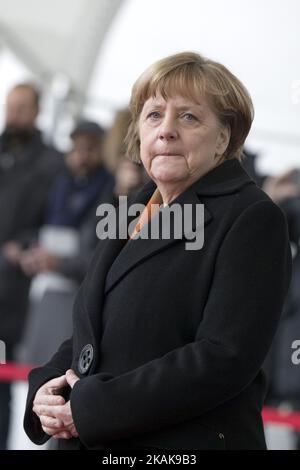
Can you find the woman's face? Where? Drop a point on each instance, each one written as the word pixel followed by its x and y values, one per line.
pixel 179 139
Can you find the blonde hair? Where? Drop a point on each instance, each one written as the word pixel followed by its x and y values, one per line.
pixel 191 75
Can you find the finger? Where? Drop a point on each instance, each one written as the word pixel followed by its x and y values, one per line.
pixel 45 410
pixel 52 423
pixel 57 382
pixel 62 435
pixel 73 430
pixel 49 400
pixel 49 431
pixel 71 377
pixel 51 383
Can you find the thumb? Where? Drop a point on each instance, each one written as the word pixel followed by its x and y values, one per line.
pixel 57 382
pixel 71 377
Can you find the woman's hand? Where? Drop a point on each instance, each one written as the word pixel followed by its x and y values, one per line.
pixel 54 413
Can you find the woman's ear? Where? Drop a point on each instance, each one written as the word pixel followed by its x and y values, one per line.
pixel 223 140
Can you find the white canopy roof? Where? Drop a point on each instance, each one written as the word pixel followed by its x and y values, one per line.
pixel 53 36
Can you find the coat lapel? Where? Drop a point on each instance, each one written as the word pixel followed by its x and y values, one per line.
pixel 138 250
pixel 92 290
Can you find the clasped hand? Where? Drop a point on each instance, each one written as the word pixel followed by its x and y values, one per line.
pixel 53 411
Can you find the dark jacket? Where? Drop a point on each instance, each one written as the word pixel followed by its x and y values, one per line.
pixel 25 179
pixel 24 185
pixel 178 336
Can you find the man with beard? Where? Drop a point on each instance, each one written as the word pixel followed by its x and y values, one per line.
pixel 27 168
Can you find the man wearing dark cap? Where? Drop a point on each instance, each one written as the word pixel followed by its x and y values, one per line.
pixel 72 202
pixel 87 140
pixel 88 128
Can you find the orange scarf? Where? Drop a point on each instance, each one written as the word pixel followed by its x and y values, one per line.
pixel 152 207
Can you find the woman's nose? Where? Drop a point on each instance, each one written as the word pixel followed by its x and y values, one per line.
pixel 167 130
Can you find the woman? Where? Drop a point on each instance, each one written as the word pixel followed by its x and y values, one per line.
pixel 168 342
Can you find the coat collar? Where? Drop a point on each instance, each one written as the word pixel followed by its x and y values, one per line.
pixel 227 178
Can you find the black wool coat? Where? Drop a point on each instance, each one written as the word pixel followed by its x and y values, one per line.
pixel 178 336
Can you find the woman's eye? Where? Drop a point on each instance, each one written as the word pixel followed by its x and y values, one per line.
pixel 154 115
pixel 189 117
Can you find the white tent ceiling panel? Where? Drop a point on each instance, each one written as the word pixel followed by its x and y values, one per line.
pixel 57 36
pixel 56 16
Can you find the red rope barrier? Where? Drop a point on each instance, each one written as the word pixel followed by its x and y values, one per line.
pixel 283 417
pixel 12 372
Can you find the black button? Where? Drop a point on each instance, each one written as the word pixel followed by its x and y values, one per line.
pixel 85 358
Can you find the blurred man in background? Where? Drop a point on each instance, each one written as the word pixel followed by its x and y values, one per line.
pixel 27 168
